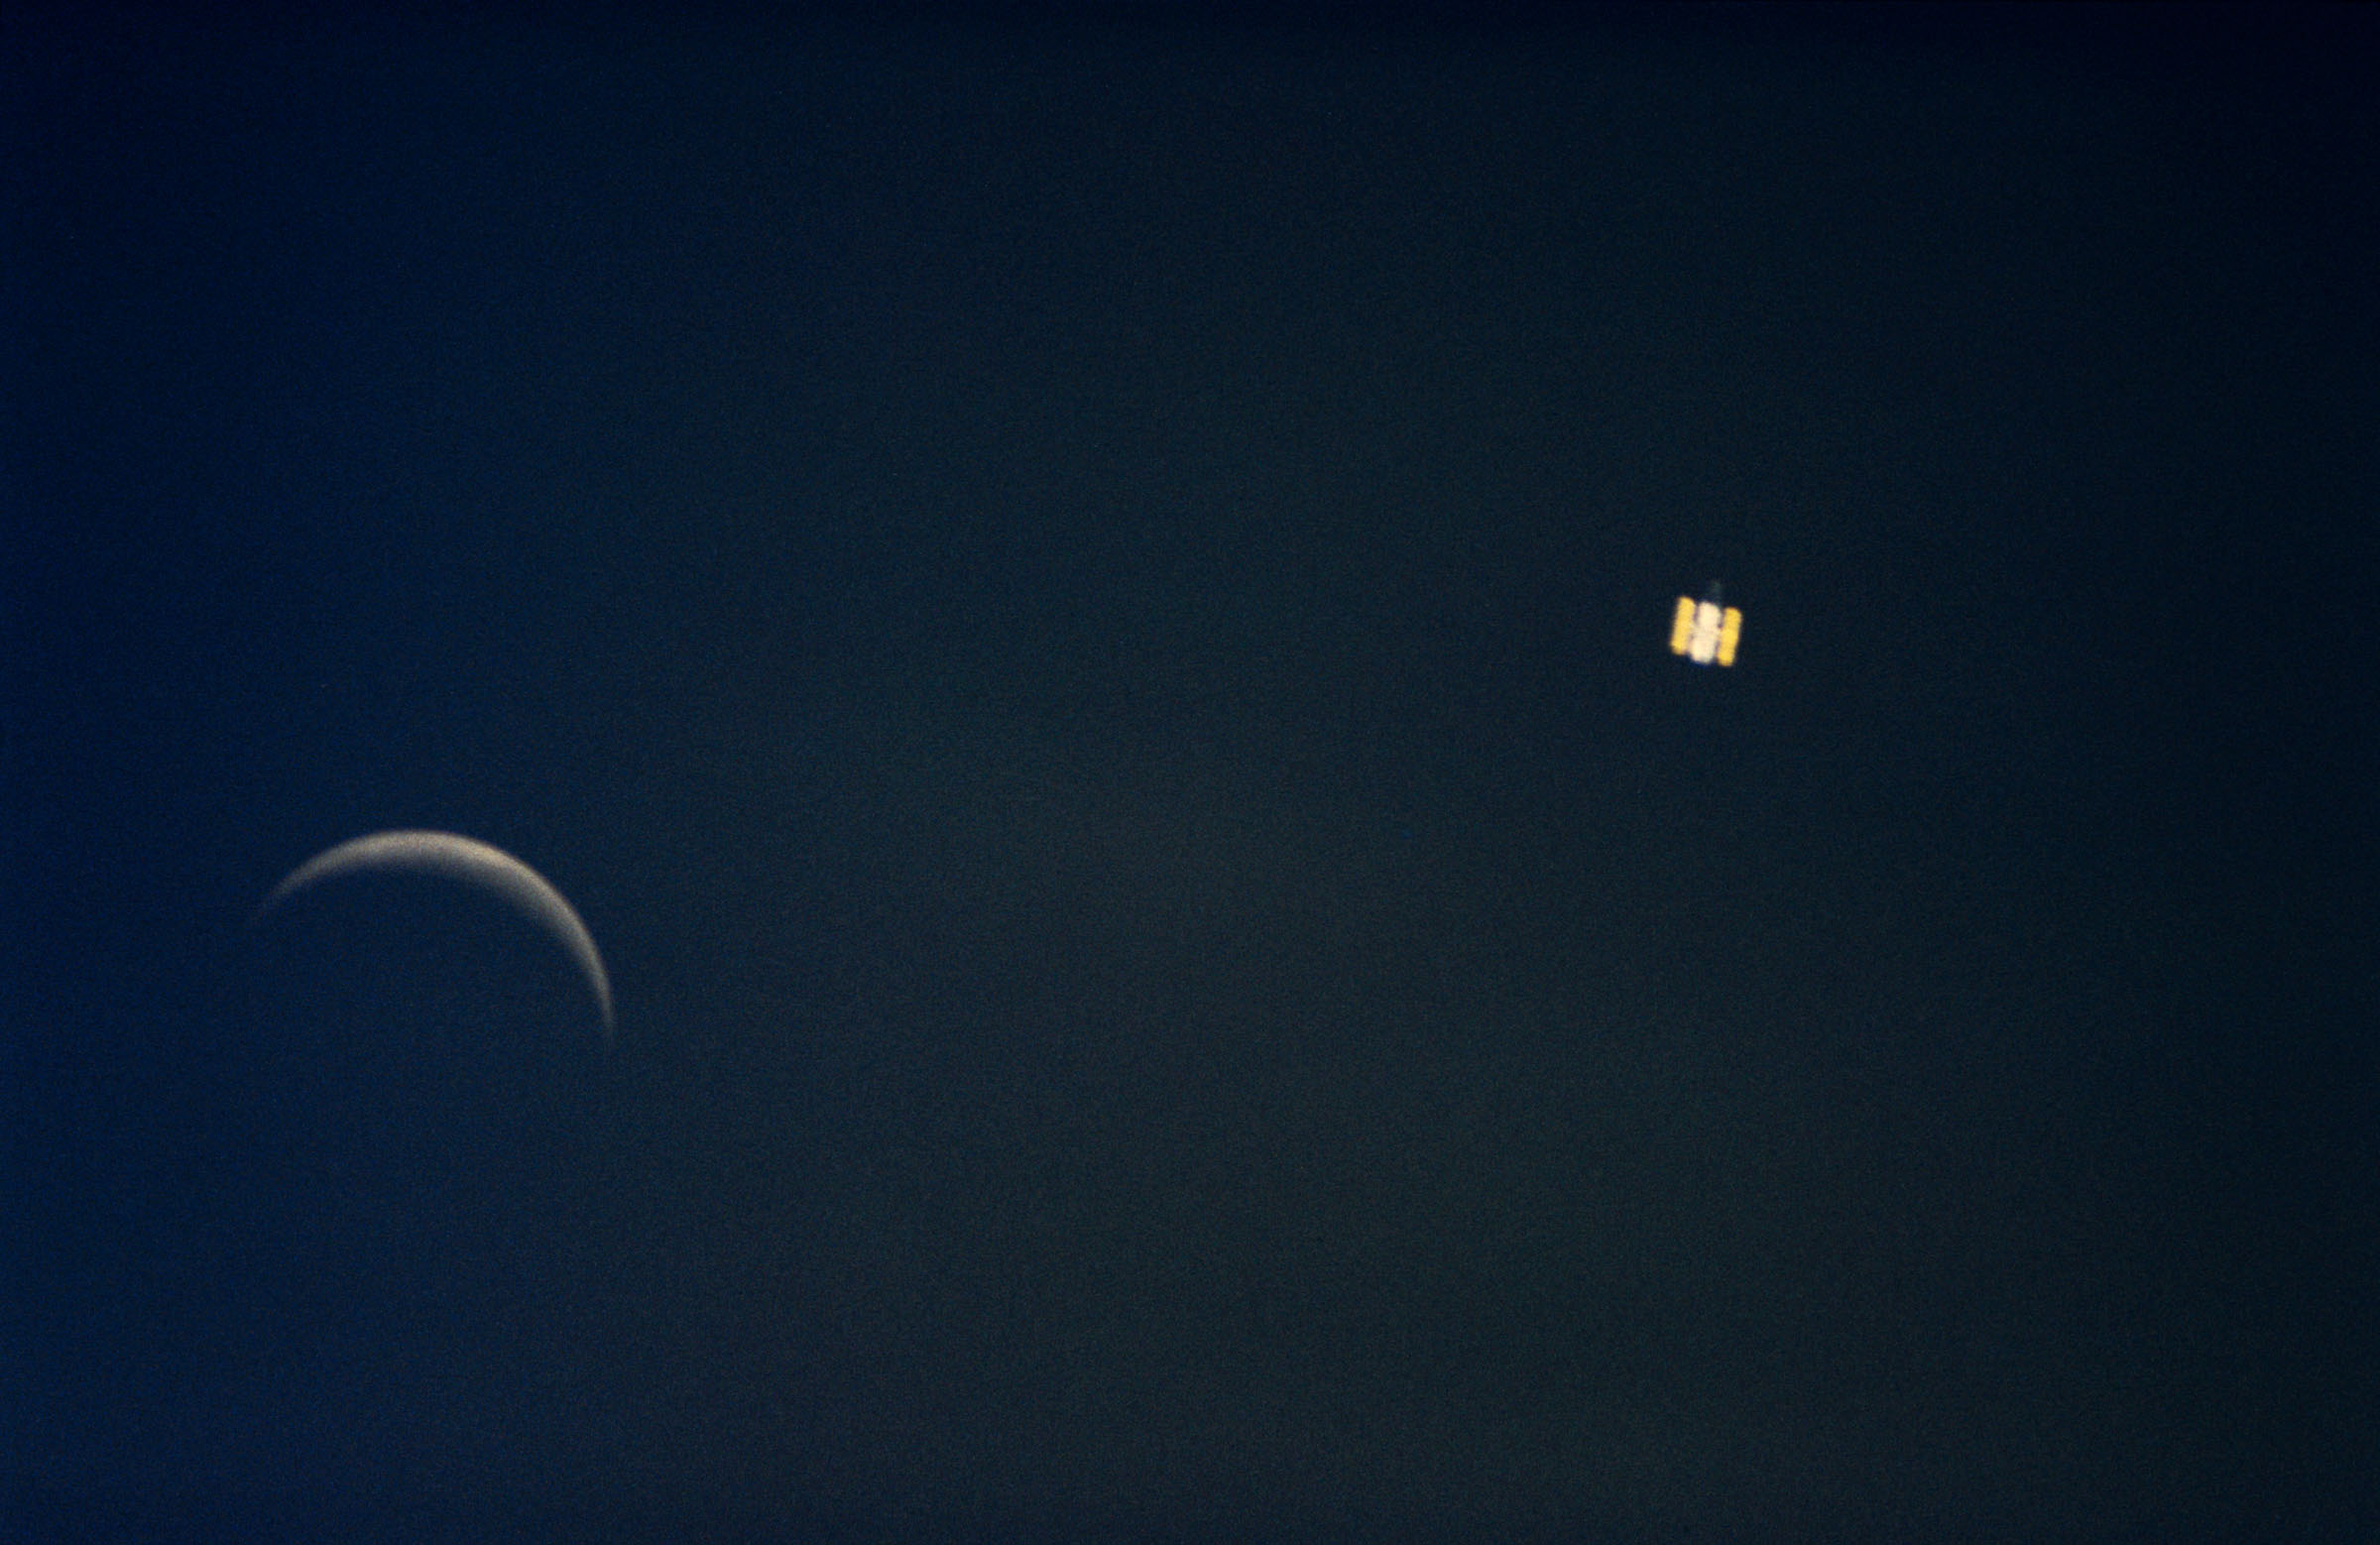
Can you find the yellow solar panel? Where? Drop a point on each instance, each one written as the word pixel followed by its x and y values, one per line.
pixel 1730 630
pixel 1682 629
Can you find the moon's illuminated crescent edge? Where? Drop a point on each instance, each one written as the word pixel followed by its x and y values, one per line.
pixel 467 858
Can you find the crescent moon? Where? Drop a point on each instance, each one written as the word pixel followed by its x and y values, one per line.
pixel 467 858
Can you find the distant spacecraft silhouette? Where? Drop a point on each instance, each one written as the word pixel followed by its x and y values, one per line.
pixel 1704 630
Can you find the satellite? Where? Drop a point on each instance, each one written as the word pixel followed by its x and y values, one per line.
pixel 1704 630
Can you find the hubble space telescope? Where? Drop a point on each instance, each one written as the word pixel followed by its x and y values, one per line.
pixel 1704 630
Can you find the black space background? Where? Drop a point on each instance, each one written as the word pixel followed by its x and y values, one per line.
pixel 1079 603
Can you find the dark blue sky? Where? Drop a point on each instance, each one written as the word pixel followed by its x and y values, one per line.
pixel 1080 607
